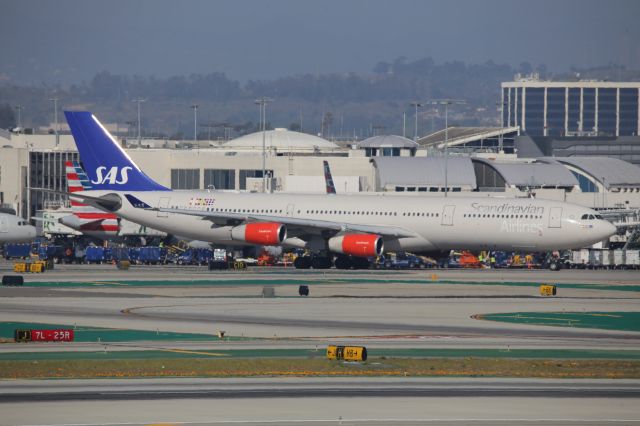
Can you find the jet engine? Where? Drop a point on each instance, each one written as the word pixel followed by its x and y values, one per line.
pixel 261 233
pixel 361 245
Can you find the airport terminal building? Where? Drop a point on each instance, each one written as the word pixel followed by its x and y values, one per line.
pixel 576 118
pixel 579 108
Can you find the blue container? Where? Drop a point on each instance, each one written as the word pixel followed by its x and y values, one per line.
pixel 95 254
pixel 150 254
pixel 120 253
pixel 134 254
pixel 50 252
pixel 16 250
pixel 186 258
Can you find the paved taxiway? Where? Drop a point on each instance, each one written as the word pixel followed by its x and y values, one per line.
pixel 405 308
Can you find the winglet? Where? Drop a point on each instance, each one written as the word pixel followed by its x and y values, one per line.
pixel 136 202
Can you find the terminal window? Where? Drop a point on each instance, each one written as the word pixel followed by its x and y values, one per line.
pixel 607 112
pixel 628 112
pixel 185 178
pixel 220 178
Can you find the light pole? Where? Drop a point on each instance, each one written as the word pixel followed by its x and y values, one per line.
pixel 415 130
pixel 501 121
pixel 19 108
pixel 55 118
pixel 139 101
pixel 404 124
pixel 194 107
pixel 262 102
pixel 446 103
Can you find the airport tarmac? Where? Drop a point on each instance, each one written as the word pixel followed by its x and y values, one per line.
pixel 359 306
pixel 391 310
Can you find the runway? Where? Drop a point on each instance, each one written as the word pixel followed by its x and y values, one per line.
pixel 321 401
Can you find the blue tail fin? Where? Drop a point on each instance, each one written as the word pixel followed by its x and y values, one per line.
pixel 105 162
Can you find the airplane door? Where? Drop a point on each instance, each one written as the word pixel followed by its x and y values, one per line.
pixel 290 209
pixel 555 216
pixel 163 203
pixel 447 215
pixel 3 225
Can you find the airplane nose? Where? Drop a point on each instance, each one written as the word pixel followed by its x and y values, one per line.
pixel 608 229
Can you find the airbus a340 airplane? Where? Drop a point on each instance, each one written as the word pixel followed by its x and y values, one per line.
pixel 350 226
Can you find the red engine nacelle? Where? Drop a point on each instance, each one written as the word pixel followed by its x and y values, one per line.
pixel 360 245
pixel 262 233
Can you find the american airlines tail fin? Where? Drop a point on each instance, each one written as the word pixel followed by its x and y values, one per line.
pixel 331 188
pixel 87 218
pixel 107 165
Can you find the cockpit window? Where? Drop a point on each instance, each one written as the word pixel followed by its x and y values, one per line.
pixel 598 217
pixel 584 217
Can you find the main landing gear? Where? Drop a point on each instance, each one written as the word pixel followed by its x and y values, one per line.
pixel 313 261
pixel 317 261
pixel 351 262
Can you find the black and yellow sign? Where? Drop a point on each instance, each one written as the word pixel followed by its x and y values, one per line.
pixel 547 290
pixel 347 353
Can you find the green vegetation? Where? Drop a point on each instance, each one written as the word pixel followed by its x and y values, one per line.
pixel 622 321
pixel 112 352
pixel 438 367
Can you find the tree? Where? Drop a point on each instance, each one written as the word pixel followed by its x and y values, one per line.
pixel 326 123
pixel 525 68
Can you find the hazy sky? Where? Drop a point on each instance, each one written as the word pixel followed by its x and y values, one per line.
pixel 69 41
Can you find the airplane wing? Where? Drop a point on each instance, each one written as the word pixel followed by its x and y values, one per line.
pixel 108 202
pixel 293 224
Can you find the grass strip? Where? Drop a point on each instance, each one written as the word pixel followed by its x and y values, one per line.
pixel 436 367
pixel 622 321
pixel 109 354
pixel 100 334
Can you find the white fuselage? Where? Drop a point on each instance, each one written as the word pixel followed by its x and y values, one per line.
pixel 14 229
pixel 439 223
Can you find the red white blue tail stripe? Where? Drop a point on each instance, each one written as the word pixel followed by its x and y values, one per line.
pixel 91 218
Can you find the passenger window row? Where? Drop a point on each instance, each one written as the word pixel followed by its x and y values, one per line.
pixel 354 212
pixel 371 213
pixel 331 212
pixel 503 216
pixel 229 210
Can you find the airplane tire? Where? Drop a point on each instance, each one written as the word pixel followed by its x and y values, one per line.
pixel 360 263
pixel 342 262
pixel 302 262
pixel 321 262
